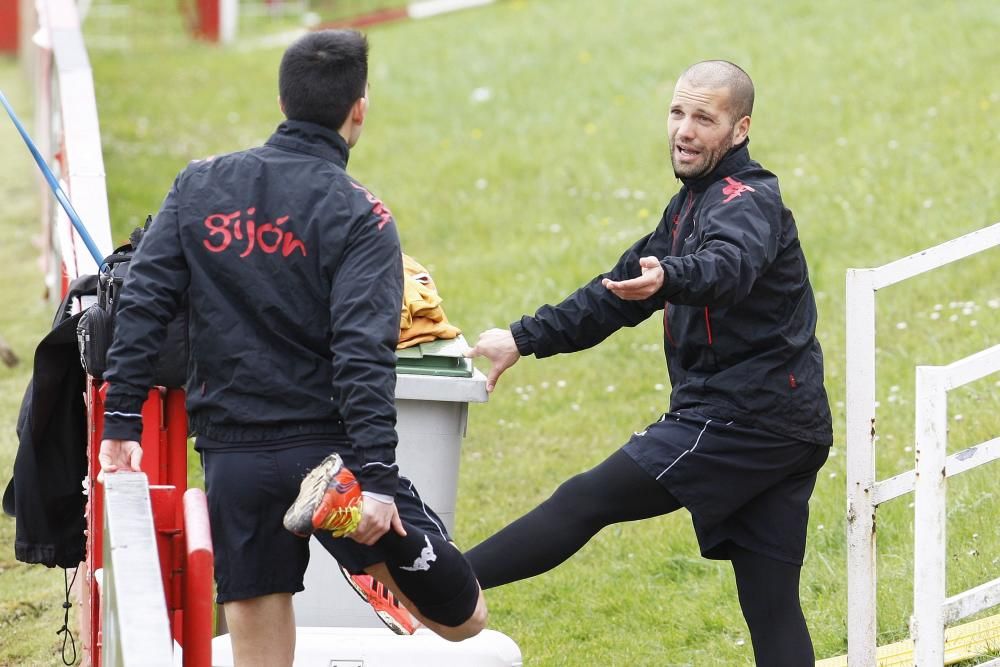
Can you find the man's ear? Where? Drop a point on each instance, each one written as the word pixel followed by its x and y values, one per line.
pixel 359 110
pixel 741 130
pixel 281 105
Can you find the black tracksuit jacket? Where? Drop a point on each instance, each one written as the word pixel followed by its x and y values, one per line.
pixel 739 313
pixel 294 279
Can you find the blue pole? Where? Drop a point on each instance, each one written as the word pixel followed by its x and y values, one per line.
pixel 54 184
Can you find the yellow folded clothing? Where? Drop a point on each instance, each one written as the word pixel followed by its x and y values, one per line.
pixel 421 319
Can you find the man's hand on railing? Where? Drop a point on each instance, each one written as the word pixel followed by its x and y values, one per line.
pixel 118 455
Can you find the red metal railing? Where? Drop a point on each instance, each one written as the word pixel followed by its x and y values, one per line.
pixel 180 518
pixel 198 582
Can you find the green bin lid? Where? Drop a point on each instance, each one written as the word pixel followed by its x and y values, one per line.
pixel 438 357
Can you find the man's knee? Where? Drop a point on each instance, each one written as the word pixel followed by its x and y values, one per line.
pixel 454 624
pixel 577 502
pixel 475 624
pixel 437 581
pixel 452 601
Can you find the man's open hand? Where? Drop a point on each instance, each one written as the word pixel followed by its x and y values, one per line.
pixel 643 287
pixel 498 346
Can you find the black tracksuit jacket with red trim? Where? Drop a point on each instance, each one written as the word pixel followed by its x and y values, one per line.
pixel 739 312
pixel 294 279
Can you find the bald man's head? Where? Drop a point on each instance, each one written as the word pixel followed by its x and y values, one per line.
pixel 723 74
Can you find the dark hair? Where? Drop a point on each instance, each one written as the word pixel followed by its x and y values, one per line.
pixel 322 75
pixel 724 74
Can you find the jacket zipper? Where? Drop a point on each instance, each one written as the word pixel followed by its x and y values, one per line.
pixel 708 325
pixel 666 324
pixel 679 225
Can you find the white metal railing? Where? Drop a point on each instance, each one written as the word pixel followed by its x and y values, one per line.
pixel 69 137
pixel 864 492
pixel 135 626
pixel 931 611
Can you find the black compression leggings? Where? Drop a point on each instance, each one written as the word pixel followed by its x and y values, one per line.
pixel 769 598
pixel 619 490
pixel 616 490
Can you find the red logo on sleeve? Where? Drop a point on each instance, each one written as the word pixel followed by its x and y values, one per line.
pixel 734 189
pixel 378 208
pixel 268 237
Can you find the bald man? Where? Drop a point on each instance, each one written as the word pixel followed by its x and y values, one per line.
pixel 748 425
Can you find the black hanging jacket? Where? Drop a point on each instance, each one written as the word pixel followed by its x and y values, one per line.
pixel 46 493
pixel 739 312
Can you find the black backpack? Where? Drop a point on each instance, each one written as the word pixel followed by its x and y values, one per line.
pixel 95 330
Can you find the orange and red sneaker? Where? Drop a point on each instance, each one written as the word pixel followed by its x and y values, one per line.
pixel 390 611
pixel 329 499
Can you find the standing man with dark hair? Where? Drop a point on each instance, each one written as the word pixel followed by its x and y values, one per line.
pixel 749 422
pixel 294 276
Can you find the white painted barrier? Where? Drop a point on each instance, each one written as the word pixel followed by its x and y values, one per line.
pixel 135 627
pixel 379 647
pixel 864 492
pixel 69 138
pixel 931 611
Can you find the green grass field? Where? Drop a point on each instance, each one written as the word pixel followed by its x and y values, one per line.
pixel 521 148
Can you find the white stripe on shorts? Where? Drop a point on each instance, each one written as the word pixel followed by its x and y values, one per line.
pixel 688 451
pixel 423 506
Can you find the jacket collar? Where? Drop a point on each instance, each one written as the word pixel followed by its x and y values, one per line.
pixel 734 160
pixel 313 139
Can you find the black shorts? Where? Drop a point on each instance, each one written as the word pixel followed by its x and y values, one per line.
pixel 248 494
pixel 740 484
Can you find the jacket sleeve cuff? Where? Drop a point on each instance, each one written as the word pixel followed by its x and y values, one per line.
pixel 671 278
pixel 521 338
pixel 122 416
pixel 380 497
pixel 379 472
pixel 122 426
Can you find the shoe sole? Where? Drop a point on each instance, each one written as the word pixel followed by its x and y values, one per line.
pixel 298 518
